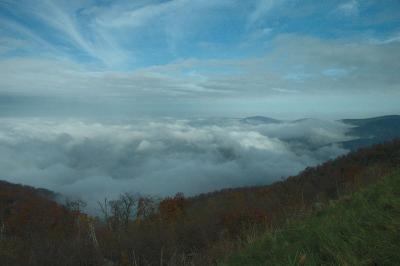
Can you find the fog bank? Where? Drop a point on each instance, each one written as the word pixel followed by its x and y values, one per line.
pixel 92 160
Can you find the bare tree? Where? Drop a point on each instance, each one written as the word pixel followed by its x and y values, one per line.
pixel 105 210
pixel 128 203
pixel 76 205
pixel 117 213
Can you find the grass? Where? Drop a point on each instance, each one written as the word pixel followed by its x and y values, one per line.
pixel 359 229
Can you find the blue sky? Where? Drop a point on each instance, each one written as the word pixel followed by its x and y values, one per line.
pixel 283 58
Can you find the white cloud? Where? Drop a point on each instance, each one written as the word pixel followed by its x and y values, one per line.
pixel 172 21
pixel 95 159
pixel 296 63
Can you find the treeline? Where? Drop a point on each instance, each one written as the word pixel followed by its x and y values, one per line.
pixel 176 230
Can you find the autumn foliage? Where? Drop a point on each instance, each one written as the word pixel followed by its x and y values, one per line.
pixel 37 231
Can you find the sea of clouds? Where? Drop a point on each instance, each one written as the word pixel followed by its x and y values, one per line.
pixel 92 160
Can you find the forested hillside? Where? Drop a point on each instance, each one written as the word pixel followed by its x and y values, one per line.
pixel 200 230
pixel 35 230
pixel 360 229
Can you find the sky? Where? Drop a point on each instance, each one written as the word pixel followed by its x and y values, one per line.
pixel 192 58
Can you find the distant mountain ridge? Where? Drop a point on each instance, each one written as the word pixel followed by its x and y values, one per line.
pixel 366 132
pixel 260 120
pixel 372 130
pixel 374 120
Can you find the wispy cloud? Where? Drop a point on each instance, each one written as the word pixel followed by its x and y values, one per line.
pixel 136 16
pixel 314 66
pixel 22 34
pixel 195 49
pixel 62 24
pixel 261 10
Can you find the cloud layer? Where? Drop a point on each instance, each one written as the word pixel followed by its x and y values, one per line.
pixel 93 160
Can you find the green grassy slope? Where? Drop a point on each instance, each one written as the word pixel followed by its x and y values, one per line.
pixel 361 229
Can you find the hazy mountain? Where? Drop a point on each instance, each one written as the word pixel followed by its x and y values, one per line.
pixel 370 131
pixel 260 120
